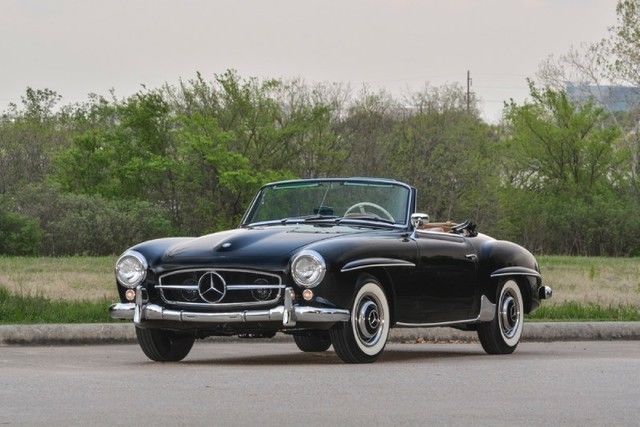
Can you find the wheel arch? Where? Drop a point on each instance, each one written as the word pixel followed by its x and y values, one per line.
pixel 383 276
pixel 502 260
pixel 523 282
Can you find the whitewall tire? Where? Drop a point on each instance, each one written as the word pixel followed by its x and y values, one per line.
pixel 503 333
pixel 363 338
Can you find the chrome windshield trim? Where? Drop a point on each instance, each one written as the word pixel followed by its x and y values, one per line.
pixel 405 225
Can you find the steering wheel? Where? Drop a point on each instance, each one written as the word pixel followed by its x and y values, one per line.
pixel 360 206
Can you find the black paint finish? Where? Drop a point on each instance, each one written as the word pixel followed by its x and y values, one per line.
pixel 435 277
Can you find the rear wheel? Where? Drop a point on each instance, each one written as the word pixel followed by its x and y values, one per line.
pixel 363 338
pixel 164 346
pixel 313 341
pixel 502 334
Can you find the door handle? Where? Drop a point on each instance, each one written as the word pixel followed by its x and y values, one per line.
pixel 472 257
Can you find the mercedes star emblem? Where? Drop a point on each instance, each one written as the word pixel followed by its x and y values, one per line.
pixel 212 287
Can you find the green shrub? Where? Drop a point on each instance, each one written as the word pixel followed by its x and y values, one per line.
pixel 74 224
pixel 19 235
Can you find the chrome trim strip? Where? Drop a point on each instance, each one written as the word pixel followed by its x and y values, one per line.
pixel 253 287
pixel 518 273
pixel 375 262
pixel 279 287
pixel 486 314
pixel 515 271
pixel 176 287
pixel 229 287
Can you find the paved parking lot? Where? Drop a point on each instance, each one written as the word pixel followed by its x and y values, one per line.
pixel 257 383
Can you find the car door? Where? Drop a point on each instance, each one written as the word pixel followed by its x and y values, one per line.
pixel 443 286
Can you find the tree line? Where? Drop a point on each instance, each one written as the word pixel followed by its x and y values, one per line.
pixel 186 159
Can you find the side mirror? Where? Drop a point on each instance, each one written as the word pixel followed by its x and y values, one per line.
pixel 419 219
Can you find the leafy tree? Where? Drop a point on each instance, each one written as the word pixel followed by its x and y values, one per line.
pixel 620 52
pixel 564 192
pixel 29 135
pixel 559 144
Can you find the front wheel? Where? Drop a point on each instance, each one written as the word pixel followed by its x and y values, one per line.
pixel 161 345
pixel 313 341
pixel 502 334
pixel 363 338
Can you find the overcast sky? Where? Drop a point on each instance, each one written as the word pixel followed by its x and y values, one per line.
pixel 80 46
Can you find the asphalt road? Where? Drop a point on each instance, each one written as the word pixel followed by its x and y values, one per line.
pixel 257 383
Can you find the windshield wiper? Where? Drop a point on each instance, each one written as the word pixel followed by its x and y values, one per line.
pixel 307 218
pixel 294 220
pixel 367 218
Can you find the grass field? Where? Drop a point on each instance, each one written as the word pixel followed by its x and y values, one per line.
pixel 79 289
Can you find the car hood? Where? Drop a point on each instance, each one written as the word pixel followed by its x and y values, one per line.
pixel 248 245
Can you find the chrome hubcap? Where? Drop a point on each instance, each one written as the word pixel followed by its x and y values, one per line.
pixel 370 320
pixel 510 316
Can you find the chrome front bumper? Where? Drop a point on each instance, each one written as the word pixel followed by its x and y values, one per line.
pixel 288 313
pixel 545 292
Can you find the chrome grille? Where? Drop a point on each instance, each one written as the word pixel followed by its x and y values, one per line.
pixel 219 287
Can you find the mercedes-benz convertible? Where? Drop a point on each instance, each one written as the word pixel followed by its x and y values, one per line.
pixel 332 262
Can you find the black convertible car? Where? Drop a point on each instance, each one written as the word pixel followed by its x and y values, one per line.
pixel 330 261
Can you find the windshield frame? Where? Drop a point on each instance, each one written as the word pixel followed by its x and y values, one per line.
pixel 411 202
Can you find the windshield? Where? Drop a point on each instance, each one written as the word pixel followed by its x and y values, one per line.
pixel 341 199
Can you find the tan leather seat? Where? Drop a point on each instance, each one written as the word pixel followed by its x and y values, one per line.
pixel 442 227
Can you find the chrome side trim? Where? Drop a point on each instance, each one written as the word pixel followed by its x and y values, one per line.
pixel 487 310
pixel 514 274
pixel 486 314
pixel 515 271
pixel 375 262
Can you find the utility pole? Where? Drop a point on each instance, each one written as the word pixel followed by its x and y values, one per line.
pixel 468 91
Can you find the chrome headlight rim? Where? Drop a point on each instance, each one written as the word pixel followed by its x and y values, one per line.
pixel 320 265
pixel 140 259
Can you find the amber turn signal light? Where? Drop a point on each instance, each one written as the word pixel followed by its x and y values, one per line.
pixel 307 294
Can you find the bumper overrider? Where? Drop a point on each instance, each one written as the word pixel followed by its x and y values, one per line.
pixel 288 313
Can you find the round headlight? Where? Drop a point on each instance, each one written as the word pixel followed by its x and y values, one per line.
pixel 308 268
pixel 131 269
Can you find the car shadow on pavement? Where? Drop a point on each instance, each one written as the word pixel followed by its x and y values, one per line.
pixel 330 358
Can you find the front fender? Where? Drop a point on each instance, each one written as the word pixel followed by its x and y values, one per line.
pixel 499 259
